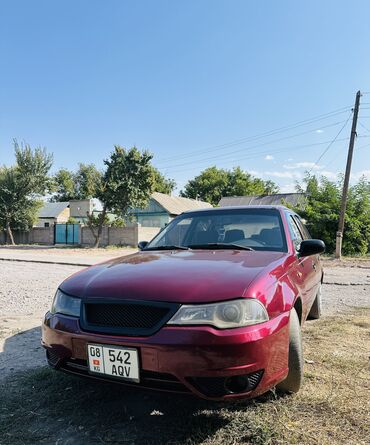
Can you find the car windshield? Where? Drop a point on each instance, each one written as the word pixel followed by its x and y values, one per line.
pixel 244 229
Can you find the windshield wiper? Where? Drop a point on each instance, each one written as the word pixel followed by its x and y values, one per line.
pixel 170 247
pixel 220 246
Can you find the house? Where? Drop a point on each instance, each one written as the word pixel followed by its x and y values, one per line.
pixel 52 213
pixel 79 208
pixel 163 208
pixel 292 199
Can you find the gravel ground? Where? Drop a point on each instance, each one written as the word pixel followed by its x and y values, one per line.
pixel 26 291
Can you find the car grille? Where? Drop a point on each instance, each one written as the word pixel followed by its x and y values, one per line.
pixel 126 317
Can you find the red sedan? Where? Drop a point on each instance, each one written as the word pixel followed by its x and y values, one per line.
pixel 213 305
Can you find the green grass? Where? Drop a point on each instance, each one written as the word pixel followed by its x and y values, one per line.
pixel 47 407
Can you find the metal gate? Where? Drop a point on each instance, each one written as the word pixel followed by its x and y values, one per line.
pixel 67 234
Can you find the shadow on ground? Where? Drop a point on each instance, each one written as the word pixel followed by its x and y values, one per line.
pixel 45 406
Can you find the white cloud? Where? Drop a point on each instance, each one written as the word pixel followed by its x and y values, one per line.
pixel 289 175
pixel 288 188
pixel 319 131
pixel 297 165
pixel 269 158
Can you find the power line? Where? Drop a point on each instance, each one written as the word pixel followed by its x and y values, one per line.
pixel 210 158
pixel 258 154
pixel 260 135
pixel 363 126
pixel 331 143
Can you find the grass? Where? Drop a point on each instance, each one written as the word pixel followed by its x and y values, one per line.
pixel 46 407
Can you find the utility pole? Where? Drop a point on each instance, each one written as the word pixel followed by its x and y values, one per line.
pixel 338 248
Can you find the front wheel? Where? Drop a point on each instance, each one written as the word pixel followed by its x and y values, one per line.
pixel 293 381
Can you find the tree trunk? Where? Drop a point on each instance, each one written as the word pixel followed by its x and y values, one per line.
pixel 100 226
pixel 9 234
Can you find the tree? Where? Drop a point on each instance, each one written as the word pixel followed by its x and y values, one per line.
pixel 127 182
pixel 321 212
pixel 82 184
pixel 64 186
pixel 88 181
pixel 20 187
pixel 162 184
pixel 213 183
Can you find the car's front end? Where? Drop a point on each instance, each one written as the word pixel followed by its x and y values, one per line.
pixel 159 352
pixel 195 312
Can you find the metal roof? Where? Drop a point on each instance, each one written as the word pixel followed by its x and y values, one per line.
pixel 175 205
pixel 52 209
pixel 294 199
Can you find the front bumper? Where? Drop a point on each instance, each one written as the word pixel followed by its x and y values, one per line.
pixel 192 359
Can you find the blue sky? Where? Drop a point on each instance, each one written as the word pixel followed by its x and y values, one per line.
pixel 191 81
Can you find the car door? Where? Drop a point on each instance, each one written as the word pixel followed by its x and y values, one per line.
pixel 315 259
pixel 303 273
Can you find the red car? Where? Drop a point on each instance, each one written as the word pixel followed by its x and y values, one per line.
pixel 213 306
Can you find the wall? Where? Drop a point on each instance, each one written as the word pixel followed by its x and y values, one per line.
pixel 38 235
pixel 41 222
pixel 79 208
pixel 147 233
pixel 119 236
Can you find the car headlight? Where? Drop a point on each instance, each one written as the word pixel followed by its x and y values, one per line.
pixel 65 304
pixel 225 315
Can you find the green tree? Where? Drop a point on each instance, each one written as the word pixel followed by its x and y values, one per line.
pixel 162 184
pixel 64 186
pixel 82 184
pixel 88 181
pixel 321 212
pixel 126 182
pixel 209 186
pixel 213 183
pixel 21 186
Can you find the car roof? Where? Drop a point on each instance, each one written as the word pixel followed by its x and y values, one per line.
pixel 253 207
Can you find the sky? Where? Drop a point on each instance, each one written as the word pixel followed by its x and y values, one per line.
pixel 264 85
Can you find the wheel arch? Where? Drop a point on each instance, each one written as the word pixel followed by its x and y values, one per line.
pixel 298 308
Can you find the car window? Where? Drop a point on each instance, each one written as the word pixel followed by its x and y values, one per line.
pixel 295 232
pixel 260 229
pixel 302 227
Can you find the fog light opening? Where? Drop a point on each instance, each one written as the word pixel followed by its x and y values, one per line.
pixel 237 384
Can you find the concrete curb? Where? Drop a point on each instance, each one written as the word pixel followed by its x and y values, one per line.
pixel 62 263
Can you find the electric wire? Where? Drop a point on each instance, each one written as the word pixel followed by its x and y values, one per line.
pixel 330 144
pixel 231 153
pixel 260 135
pixel 258 154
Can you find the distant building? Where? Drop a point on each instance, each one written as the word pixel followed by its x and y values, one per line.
pixel 52 213
pixel 163 208
pixel 79 208
pixel 292 199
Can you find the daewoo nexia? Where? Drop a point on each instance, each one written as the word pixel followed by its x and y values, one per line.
pixel 213 306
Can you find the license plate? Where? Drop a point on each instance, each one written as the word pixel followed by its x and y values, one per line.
pixel 114 361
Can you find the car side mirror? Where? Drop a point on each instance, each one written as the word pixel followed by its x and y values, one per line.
pixel 311 247
pixel 142 245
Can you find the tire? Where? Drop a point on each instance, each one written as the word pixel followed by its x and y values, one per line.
pixel 315 311
pixel 293 381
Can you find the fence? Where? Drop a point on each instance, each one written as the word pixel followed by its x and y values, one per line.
pixel 38 235
pixel 119 236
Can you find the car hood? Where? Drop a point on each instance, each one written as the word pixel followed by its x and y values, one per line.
pixel 174 276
